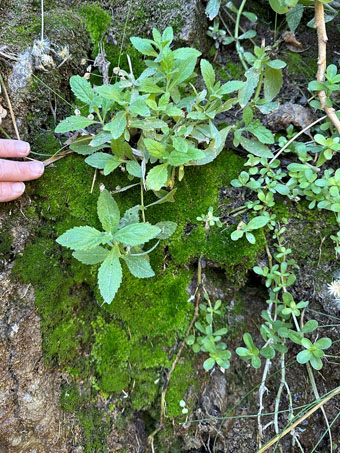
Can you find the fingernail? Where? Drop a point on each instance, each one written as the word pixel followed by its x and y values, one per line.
pixel 37 168
pixel 22 147
pixel 18 187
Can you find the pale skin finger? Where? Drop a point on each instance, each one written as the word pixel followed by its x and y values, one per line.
pixel 14 148
pixel 11 190
pixel 20 171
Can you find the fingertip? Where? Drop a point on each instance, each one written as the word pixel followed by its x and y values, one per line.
pixel 22 148
pixel 18 188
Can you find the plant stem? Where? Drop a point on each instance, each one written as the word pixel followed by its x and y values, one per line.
pixel 10 107
pixel 5 133
pixel 142 201
pixel 42 20
pixel 237 25
pixel 259 86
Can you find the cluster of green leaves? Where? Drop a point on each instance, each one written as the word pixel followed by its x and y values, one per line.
pixel 122 239
pixel 282 314
pixel 209 219
pixel 208 340
pixel 158 119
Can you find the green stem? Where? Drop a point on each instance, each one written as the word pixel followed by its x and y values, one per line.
pixel 237 25
pixel 259 86
pixel 142 201
pixel 5 133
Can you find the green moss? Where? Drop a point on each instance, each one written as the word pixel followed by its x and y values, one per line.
pixel 300 65
pixel 97 22
pixel 95 429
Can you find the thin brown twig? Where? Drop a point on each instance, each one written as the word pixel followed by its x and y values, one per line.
pixel 300 420
pixel 322 61
pixel 10 107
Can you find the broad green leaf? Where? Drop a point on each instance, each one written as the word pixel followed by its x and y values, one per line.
pixel 101 139
pixel 168 35
pixel 94 256
pixel 157 177
pixel 130 216
pixel 209 363
pixel 148 124
pixel 212 8
pixel 261 132
pixel 268 107
pixel 109 277
pixel 143 46
pixel 82 146
pixel 268 352
pixel 149 86
pixel 185 70
pixel 167 229
pixel 134 169
pixel 117 126
pixel 111 165
pixel 304 356
pixel 155 149
pixel 230 87
pixel 185 53
pixel 178 158
pixel 310 326
pixel 276 64
pixel 108 211
pixel 250 238
pixel 139 107
pixel 136 233
pixel 256 148
pixel 243 353
pixel 258 222
pixel 272 82
pixel 237 234
pixel 248 35
pixel 112 92
pixel 83 238
pixel 294 17
pixel 121 148
pixel 99 160
pixel 213 150
pixel 164 197
pixel 208 74
pixel 82 89
pixel 246 92
pixel 180 144
pixel 139 266
pixel 316 362
pixel 279 6
pixel 73 123
pixel 324 343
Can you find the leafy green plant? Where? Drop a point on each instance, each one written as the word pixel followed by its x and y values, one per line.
pixel 157 120
pixel 122 239
pixel 209 219
pixel 313 352
pixel 209 340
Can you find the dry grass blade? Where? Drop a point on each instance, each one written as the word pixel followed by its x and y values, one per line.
pixel 300 420
pixel 10 107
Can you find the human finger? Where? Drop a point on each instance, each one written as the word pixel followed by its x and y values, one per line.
pixel 14 148
pixel 11 190
pixel 20 171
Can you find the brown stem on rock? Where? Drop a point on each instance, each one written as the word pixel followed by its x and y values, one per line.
pixel 322 62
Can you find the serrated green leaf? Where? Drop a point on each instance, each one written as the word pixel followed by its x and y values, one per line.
pixel 167 229
pixel 148 124
pixel 143 46
pixel 139 107
pixel 94 256
pixel 108 211
pixel 155 149
pixel 83 238
pixel 112 92
pixel 82 89
pixel 139 266
pixel 261 132
pixel 185 70
pixel 117 126
pixel 246 92
pixel 73 123
pixel 178 158
pixel 208 74
pixel 230 87
pixel 136 234
pixel 134 169
pixel 157 177
pixel 130 216
pixel 149 86
pixel 110 277
pixel 111 165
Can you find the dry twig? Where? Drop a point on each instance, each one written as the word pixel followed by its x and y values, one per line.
pixel 322 62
